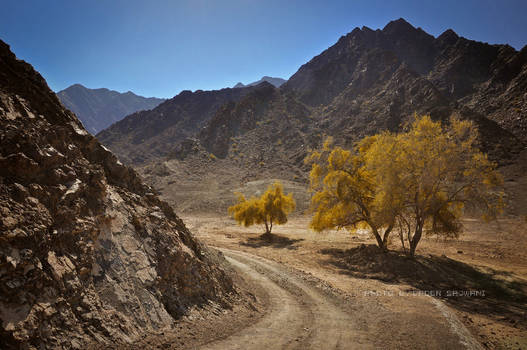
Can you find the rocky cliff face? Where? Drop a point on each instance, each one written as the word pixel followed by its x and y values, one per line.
pixel 97 109
pixel 371 81
pixel 87 251
pixel 368 82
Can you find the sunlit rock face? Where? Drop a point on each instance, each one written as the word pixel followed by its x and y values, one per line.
pixel 87 251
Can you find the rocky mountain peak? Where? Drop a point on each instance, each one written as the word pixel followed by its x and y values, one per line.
pixel 77 86
pixel 449 33
pixel 398 27
pixel 369 80
pixel 448 38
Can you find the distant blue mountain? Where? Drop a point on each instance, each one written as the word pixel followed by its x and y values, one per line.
pixel 277 82
pixel 97 109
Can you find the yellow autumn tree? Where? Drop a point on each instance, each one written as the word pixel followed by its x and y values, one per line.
pixel 418 181
pixel 344 191
pixel 436 174
pixel 270 209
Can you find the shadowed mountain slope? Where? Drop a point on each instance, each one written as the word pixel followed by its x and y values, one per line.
pixel 486 78
pixel 149 135
pixel 369 81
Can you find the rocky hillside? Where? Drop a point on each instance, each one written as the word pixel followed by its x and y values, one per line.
pixel 148 135
pixel 489 79
pixel 276 82
pixel 87 252
pixel 97 109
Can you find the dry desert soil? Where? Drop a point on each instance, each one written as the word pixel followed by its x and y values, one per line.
pixel 334 290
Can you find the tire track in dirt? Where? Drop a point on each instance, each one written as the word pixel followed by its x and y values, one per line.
pixel 300 317
pixel 278 328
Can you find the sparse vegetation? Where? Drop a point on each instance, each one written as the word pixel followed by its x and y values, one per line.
pixel 416 181
pixel 271 208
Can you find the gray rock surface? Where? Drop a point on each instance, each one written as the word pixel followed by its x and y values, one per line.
pixel 87 252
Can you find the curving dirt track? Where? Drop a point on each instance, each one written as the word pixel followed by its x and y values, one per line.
pixel 304 316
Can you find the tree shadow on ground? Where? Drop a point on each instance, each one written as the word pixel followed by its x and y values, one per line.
pixel 271 240
pixel 496 294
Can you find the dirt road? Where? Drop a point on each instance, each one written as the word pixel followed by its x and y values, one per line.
pixel 302 315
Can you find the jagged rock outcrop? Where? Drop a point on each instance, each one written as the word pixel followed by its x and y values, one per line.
pixel 87 252
pixel 97 109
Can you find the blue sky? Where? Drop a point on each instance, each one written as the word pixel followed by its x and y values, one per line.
pixel 158 48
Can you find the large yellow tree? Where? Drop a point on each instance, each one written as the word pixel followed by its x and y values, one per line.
pixel 417 181
pixel 270 209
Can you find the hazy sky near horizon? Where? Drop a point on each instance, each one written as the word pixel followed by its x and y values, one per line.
pixel 158 48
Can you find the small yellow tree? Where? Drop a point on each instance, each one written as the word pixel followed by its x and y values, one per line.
pixel 271 208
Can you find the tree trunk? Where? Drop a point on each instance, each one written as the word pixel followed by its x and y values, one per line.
pixel 401 236
pixel 380 241
pixel 267 230
pixel 385 237
pixel 416 238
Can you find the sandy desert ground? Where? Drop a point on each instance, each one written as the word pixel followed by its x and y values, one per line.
pixel 480 278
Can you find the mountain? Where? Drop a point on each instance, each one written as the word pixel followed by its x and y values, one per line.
pixel 277 82
pixel 99 108
pixel 147 135
pixel 87 252
pixel 487 79
pixel 371 81
pixel 367 82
